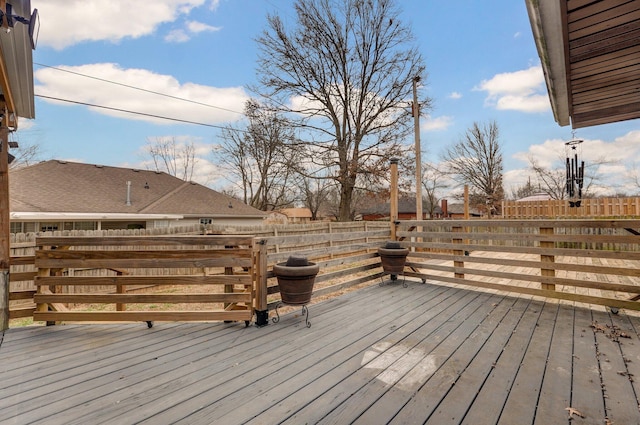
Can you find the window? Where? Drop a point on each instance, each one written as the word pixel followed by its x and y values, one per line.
pixel 160 224
pixel 49 227
pixel 85 225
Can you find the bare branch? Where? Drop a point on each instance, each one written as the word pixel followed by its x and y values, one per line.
pixel 476 160
pixel 172 157
pixel 347 69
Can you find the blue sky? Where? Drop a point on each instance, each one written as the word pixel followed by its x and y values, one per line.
pixel 481 61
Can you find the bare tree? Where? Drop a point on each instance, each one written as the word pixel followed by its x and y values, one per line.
pixel 262 158
pixel 172 157
pixel 476 160
pixel 347 69
pixel 433 182
pixel 25 154
pixel 527 189
pixel 553 180
pixel 315 195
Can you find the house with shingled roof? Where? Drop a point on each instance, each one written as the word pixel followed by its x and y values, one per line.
pixel 61 195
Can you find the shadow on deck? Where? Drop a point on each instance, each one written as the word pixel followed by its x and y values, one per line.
pixel 422 354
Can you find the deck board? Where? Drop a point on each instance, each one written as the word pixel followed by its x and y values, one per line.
pixel 427 354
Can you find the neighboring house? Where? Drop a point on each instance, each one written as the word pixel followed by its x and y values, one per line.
pixel 406 210
pixel 60 195
pixel 535 197
pixel 456 211
pixel 297 215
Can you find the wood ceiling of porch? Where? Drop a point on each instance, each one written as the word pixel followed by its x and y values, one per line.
pixel 602 39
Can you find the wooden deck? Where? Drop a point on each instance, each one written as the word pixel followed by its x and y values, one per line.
pixel 422 354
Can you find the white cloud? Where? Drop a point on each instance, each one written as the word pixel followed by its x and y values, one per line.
pixel 613 174
pixel 520 91
pixel 198 27
pixel 54 83
pixel 436 123
pixel 177 36
pixel 192 27
pixel 455 95
pixel 63 24
pixel 26 124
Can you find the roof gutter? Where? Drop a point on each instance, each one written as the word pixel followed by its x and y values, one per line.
pixel 37 216
pixel 546 17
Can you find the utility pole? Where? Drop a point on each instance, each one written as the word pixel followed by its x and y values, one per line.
pixel 415 111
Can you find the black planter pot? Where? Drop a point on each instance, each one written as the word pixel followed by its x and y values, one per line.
pixel 295 280
pixel 393 258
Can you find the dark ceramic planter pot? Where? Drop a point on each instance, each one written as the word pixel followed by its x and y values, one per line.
pixel 295 280
pixel 393 257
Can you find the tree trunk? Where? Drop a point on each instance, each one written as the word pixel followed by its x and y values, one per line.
pixel 346 194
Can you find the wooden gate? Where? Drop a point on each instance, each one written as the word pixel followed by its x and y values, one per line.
pixel 212 275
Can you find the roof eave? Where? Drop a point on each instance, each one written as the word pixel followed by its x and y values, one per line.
pixel 545 17
pixel 36 216
pixel 17 62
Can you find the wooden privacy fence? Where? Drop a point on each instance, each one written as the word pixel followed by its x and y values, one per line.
pixel 186 263
pixel 588 261
pixel 589 208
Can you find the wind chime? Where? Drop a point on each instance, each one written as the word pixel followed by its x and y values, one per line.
pixel 575 171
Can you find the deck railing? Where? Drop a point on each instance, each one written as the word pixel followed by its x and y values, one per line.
pixel 175 261
pixel 240 264
pixel 345 258
pixel 21 276
pixel 588 261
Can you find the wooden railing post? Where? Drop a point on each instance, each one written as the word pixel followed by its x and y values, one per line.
pixel 458 252
pixel 120 289
pixel 393 202
pixel 5 230
pixel 260 281
pixel 547 258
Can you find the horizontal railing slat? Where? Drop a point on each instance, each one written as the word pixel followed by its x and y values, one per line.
pixel 142 316
pixel 22 276
pixel 144 280
pixel 175 240
pixel 569 252
pixel 586 268
pixel 142 298
pixel 143 263
pixel 21 312
pixel 21 295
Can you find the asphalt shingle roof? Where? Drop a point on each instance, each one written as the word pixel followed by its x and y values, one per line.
pixel 61 186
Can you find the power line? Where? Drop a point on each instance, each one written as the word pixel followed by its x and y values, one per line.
pixel 138 88
pixel 134 112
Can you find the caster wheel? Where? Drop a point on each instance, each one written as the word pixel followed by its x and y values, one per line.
pixel 614 310
pixel 246 323
pixel 149 324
